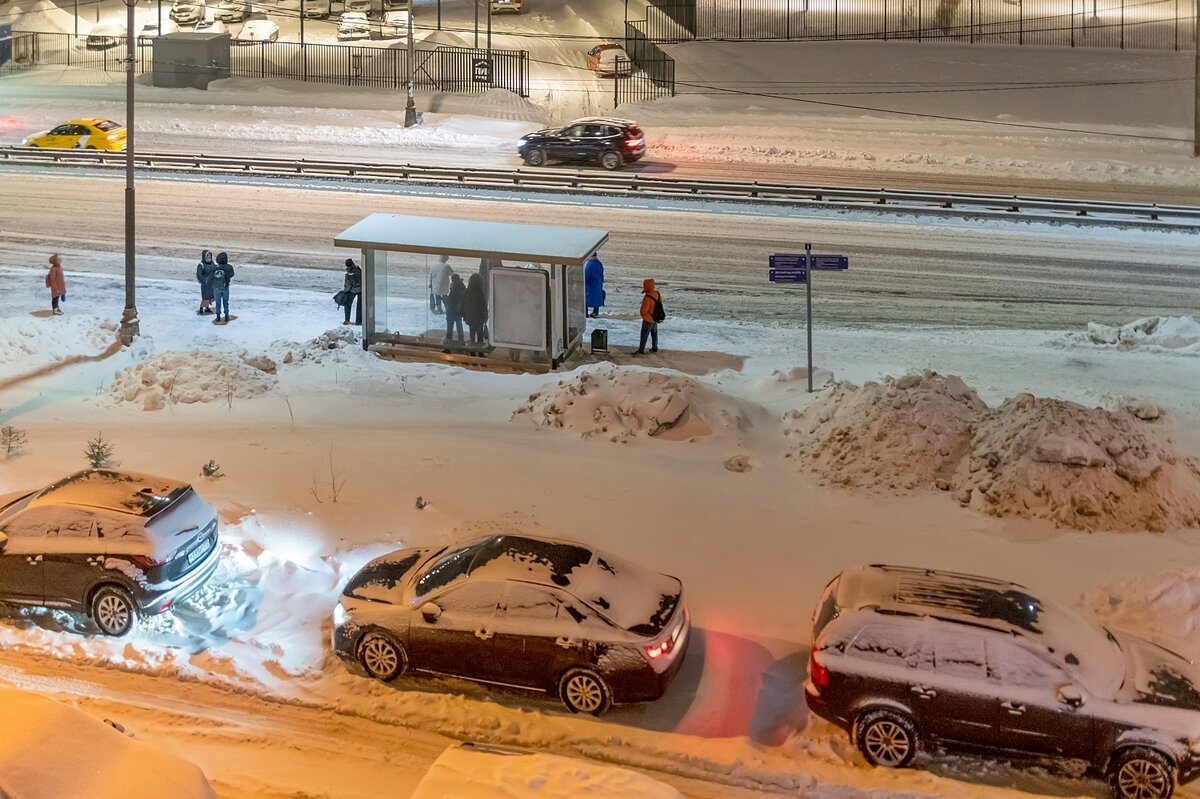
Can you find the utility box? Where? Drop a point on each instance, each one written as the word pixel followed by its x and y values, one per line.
pixel 190 60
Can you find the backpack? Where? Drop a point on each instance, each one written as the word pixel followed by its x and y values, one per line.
pixel 659 313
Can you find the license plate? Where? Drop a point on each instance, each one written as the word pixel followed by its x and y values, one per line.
pixel 197 553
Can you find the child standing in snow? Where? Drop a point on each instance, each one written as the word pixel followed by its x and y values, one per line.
pixel 56 283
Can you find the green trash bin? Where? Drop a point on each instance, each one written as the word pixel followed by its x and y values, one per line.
pixel 600 340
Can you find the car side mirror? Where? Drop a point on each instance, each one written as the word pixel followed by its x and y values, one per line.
pixel 431 612
pixel 1070 695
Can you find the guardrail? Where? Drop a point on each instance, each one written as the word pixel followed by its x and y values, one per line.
pixel 575 182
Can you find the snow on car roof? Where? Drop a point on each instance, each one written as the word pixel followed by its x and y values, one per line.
pixel 124 492
pixel 630 596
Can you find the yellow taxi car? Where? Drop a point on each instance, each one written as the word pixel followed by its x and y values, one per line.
pixel 81 134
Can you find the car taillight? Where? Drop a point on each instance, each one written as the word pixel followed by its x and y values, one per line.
pixel 816 672
pixel 165 605
pixel 146 562
pixel 631 143
pixel 655 651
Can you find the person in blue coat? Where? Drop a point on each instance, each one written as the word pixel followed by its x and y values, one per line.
pixel 593 285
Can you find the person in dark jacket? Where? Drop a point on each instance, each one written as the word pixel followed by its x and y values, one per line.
pixel 593 285
pixel 454 306
pixel 474 309
pixel 353 291
pixel 221 276
pixel 204 271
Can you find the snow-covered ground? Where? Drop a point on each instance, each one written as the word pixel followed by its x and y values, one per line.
pixel 753 538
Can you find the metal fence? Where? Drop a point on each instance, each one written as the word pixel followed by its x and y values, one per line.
pixel 655 73
pixel 1135 24
pixel 444 69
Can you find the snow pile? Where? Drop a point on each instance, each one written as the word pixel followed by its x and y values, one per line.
pixel 906 432
pixel 41 736
pixel 28 340
pixel 1087 468
pixel 188 377
pixel 621 404
pixel 337 344
pixel 1158 606
pixel 1174 333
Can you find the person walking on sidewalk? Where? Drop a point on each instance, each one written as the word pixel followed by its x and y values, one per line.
pixel 652 313
pixel 204 271
pixel 56 283
pixel 593 286
pixel 222 276
pixel 353 291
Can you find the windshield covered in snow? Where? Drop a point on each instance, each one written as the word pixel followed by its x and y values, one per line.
pixel 1085 649
pixel 447 569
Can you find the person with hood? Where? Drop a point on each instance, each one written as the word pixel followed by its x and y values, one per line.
pixel 221 277
pixel 439 283
pixel 352 289
pixel 56 283
pixel 204 271
pixel 454 305
pixel 652 313
pixel 474 309
pixel 593 285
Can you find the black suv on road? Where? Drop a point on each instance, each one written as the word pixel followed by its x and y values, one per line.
pixel 609 142
pixel 906 657
pixel 107 543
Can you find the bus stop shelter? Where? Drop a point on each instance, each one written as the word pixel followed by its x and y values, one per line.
pixel 532 278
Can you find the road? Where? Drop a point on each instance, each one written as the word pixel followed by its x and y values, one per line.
pixel 709 260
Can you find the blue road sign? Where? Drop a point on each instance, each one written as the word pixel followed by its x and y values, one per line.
pixel 781 261
pixel 788 276
pixel 830 262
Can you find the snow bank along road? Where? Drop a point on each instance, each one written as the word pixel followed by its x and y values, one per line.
pixel 711 261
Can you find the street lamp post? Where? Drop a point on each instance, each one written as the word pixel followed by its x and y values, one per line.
pixel 129 319
pixel 410 107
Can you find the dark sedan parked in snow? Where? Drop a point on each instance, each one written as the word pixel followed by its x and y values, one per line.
pixel 523 612
pixel 903 657
pixel 107 543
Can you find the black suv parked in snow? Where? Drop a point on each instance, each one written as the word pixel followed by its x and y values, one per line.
pixel 902 657
pixel 523 612
pixel 611 143
pixel 108 543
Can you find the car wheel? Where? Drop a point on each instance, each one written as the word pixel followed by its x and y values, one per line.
pixel 383 658
pixel 536 157
pixel 583 691
pixel 611 160
pixel 91 147
pixel 1142 773
pixel 113 610
pixel 886 738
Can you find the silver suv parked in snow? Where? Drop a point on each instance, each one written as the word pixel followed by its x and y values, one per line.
pixel 906 657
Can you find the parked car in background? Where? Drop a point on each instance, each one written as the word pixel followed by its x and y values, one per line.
pixel 607 141
pixel 609 61
pixel 211 26
pixel 103 762
pixel 231 10
pixel 506 6
pixel 81 134
pixel 354 25
pixel 317 9
pixel 105 35
pixel 551 616
pixel 395 24
pixel 474 770
pixel 904 658
pixel 359 6
pixel 256 30
pixel 188 12
pixel 151 31
pixel 111 544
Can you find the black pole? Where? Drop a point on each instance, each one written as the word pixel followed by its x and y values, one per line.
pixel 129 321
pixel 476 24
pixel 808 273
pixel 489 33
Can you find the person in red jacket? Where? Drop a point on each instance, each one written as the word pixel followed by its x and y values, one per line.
pixel 652 314
pixel 56 283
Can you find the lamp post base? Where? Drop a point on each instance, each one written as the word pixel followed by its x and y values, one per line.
pixel 130 327
pixel 410 113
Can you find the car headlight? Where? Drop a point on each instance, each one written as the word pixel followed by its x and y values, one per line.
pixel 339 615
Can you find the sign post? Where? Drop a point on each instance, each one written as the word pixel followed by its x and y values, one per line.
pixel 784 268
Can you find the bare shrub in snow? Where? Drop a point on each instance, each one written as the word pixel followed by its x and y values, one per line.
pixel 1087 468
pixel 211 469
pixel 171 378
pixel 907 432
pixel 12 440
pixel 621 404
pixel 332 489
pixel 99 452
